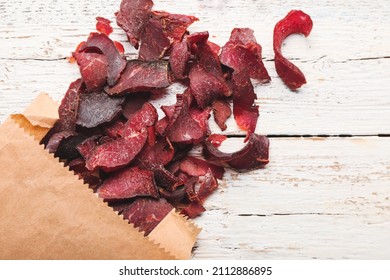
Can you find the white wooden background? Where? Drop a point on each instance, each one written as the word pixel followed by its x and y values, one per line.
pixel 325 193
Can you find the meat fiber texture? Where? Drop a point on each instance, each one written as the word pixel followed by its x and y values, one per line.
pixel 112 136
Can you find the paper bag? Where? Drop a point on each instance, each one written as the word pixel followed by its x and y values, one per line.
pixel 46 212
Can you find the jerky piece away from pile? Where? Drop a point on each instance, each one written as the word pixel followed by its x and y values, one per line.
pixel 253 156
pixel 141 75
pixel 128 183
pixel 147 213
pixel 295 22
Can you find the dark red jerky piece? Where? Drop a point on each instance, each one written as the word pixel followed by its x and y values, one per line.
pixel 161 153
pixel 86 147
pixel 242 52
pixel 221 111
pixel 67 111
pixel 189 186
pixel 174 25
pixel 208 186
pixel 67 147
pixel 128 183
pixel 205 86
pixel 196 38
pixel 103 26
pixel 93 69
pixel 178 59
pixel 216 139
pixel 193 210
pixel 161 126
pixel 184 128
pixel 116 62
pixel 166 179
pixel 117 153
pixel 216 49
pixel 146 116
pixel 77 165
pixel 97 108
pixel 132 17
pixel 295 22
pixel 245 111
pixel 175 196
pixel 56 138
pixel 154 42
pixel 115 130
pixel 141 76
pixel 147 213
pixel 209 59
pixel 133 103
pixel 253 156
pixel 198 167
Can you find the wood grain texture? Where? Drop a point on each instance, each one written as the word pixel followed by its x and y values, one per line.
pixel 318 197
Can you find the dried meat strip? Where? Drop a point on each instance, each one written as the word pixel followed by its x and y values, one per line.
pixel 141 76
pixel 295 21
pixel 116 62
pixel 161 153
pixel 128 183
pixel 216 139
pixel 93 69
pixel 242 52
pixel 222 111
pixel 97 108
pixel 67 111
pixel 132 17
pixel 253 155
pixel 134 102
pixel 147 213
pixel 178 59
pixel 154 42
pixel 197 167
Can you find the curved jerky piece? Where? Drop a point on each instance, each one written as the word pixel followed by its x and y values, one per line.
pixel 133 103
pixel 97 108
pixel 208 186
pixel 67 111
pixel 115 130
pixel 242 52
pixel 154 42
pixel 205 86
pixel 245 112
pixel 93 69
pixel 175 196
pixel 187 126
pixel 198 167
pixel 117 153
pixel 116 62
pixel 192 210
pixel 166 179
pixel 132 17
pixel 253 156
pixel 128 183
pixel 222 111
pixel 141 75
pixel 161 153
pixel 295 22
pixel 178 59
pixel 147 213
pixel 86 147
pixel 103 25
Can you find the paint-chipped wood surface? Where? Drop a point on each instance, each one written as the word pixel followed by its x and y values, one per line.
pixel 320 197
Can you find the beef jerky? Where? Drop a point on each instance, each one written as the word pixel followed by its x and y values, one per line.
pixel 166 179
pixel 145 117
pixel 161 153
pixel 208 186
pixel 132 17
pixel 193 210
pixel 115 129
pixel 56 138
pixel 116 62
pixel 221 112
pixel 97 108
pixel 141 76
pixel 118 153
pixel 173 197
pixel 295 22
pixel 67 148
pixel 154 42
pixel 198 167
pixel 216 139
pixel 67 111
pixel 128 183
pixel 134 102
pixel 93 69
pixel 178 59
pixel 103 25
pixel 77 165
pixel 86 147
pixel 242 52
pixel 253 155
pixel 245 111
pixel 147 213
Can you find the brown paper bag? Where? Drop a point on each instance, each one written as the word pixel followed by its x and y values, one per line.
pixel 46 212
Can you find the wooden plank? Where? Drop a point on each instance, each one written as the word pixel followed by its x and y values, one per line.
pixel 340 98
pixel 324 198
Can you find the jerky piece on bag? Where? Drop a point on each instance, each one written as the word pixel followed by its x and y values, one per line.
pixel 295 22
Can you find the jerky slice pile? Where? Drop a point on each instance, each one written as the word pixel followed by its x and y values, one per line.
pixel 112 136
